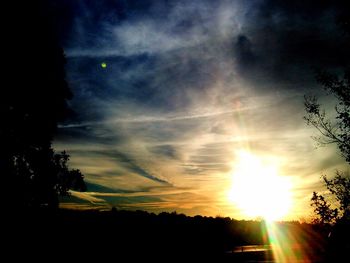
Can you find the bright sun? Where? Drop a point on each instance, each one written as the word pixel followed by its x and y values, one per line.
pixel 258 190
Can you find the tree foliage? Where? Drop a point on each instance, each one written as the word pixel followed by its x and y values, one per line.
pixel 333 206
pixel 33 100
pixel 339 188
pixel 322 208
pixel 332 131
pixel 67 179
pixel 337 131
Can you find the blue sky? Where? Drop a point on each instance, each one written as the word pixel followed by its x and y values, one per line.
pixel 186 87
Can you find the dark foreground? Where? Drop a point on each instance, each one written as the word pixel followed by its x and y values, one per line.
pixel 122 235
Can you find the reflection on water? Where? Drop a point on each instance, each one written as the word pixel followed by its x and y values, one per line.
pixel 252 248
pixel 251 253
pixel 286 243
pixel 267 254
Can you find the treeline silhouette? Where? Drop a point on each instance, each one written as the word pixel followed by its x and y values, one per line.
pixel 139 235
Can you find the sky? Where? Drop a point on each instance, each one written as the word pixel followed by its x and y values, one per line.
pixel 169 94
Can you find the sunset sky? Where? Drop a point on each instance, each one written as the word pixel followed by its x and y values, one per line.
pixel 175 100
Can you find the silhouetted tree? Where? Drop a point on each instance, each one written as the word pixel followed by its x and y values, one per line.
pixel 334 208
pixel 67 179
pixel 336 131
pixel 32 102
pixel 322 208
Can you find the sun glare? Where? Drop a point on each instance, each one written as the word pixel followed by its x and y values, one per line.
pixel 258 190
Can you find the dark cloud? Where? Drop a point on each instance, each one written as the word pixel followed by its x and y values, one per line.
pixel 128 163
pixel 285 40
pixel 164 151
pixel 243 51
pixel 121 201
pixel 91 187
pixel 79 133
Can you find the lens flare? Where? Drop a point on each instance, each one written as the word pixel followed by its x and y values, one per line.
pixel 287 245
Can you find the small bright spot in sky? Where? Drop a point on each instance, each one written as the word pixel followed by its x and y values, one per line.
pixel 104 65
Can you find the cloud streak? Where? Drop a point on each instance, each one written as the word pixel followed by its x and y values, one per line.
pixel 186 86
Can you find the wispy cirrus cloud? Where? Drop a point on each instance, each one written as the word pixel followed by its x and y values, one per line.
pixel 187 85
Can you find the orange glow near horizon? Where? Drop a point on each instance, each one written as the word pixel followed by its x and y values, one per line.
pixel 258 190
